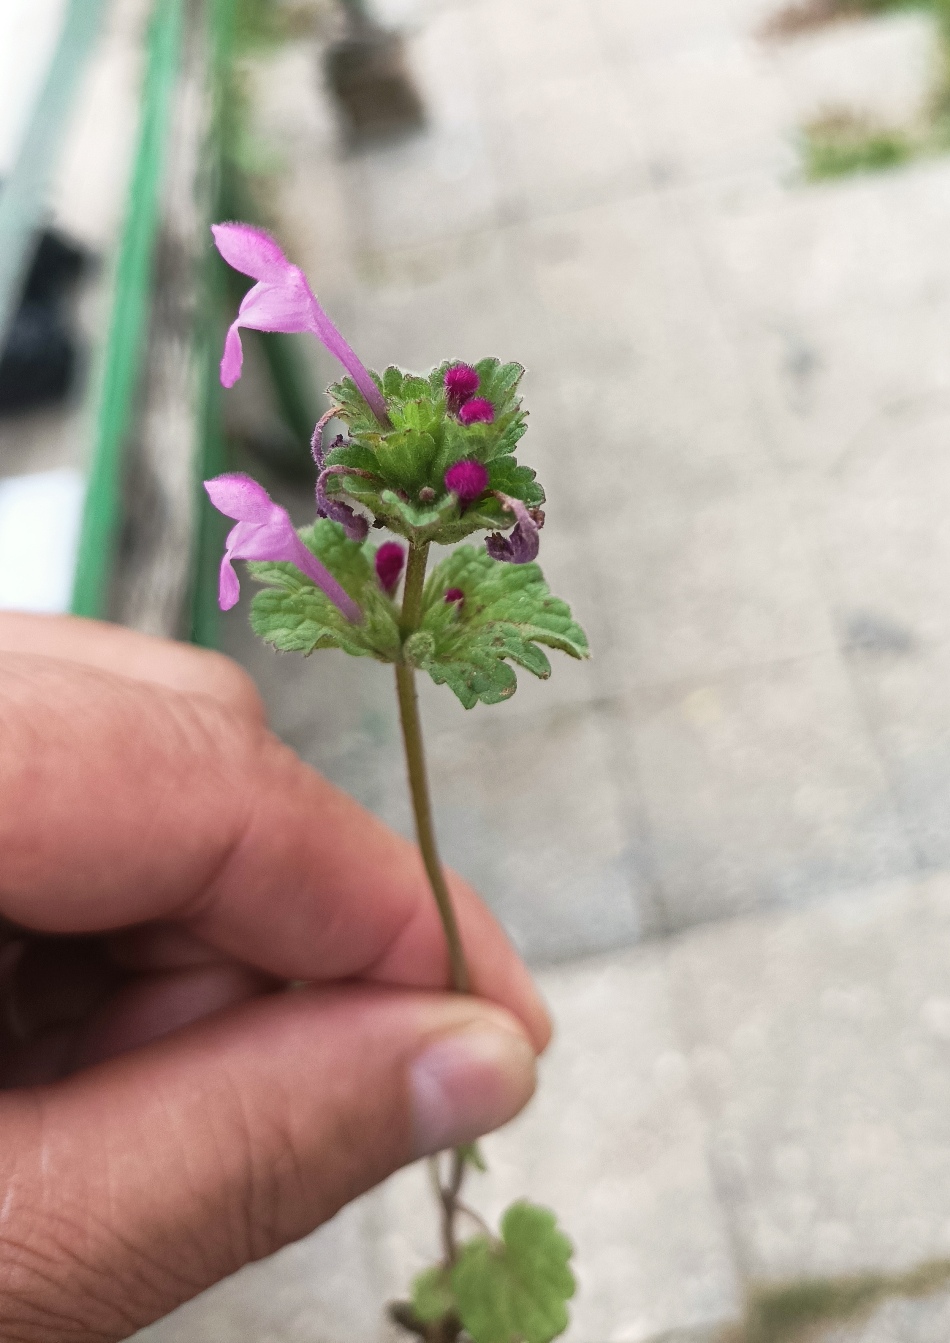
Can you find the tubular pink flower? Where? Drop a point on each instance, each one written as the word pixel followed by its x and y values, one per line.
pixel 390 559
pixel 468 479
pixel 522 545
pixel 454 595
pixel 477 411
pixel 264 531
pixel 282 300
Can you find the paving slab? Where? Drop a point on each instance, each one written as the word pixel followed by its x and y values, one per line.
pixel 881 70
pixel 819 1039
pixel 613 1141
pixel 836 295
pixel 761 789
pixel 635 344
pixel 644 31
pixel 710 589
pixel 902 685
pixel 879 524
pixel 445 181
pixel 715 113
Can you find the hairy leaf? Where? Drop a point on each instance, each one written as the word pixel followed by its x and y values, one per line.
pixel 505 612
pixel 515 1290
pixel 295 616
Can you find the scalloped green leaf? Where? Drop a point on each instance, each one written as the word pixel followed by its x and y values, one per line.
pixel 506 475
pixel 506 612
pixel 296 617
pixel 359 456
pixel 516 1290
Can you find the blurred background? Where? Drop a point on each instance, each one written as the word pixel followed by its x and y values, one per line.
pixel 715 232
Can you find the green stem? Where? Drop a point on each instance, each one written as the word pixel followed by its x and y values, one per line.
pixel 448 1194
pixel 416 764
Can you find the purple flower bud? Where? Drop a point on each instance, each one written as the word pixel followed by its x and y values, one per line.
pixel 390 558
pixel 353 523
pixel 461 384
pixel 477 411
pixel 521 546
pixel 455 595
pixel 468 479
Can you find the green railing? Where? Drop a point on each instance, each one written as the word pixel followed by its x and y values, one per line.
pixel 126 344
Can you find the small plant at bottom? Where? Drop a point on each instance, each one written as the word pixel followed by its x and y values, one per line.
pixel 431 459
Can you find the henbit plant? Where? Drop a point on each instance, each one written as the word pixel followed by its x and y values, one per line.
pixel 432 460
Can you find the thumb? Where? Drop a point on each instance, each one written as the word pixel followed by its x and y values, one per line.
pixel 133 1185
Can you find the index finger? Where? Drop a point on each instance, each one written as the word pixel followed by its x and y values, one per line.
pixel 125 652
pixel 122 803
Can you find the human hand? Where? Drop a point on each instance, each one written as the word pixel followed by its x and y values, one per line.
pixel 167 867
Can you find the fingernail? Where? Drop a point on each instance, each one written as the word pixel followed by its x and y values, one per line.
pixel 468 1083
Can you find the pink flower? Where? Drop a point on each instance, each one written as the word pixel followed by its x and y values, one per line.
pixel 390 558
pixel 282 300
pixel 454 595
pixel 264 531
pixel 468 479
pixel 477 411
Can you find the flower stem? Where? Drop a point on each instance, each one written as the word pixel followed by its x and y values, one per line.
pixel 416 764
pixel 448 1194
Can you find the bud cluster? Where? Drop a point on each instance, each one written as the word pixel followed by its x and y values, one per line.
pixel 443 464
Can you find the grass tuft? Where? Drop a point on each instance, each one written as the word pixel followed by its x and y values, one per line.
pixel 840 144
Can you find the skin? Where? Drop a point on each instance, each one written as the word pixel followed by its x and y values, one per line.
pixel 170 1107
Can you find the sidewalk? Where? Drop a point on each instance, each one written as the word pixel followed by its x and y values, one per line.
pixel 727 837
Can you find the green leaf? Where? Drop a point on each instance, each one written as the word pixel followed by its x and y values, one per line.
pixel 432 1295
pixel 515 1291
pixel 506 612
pixel 359 456
pixel 506 475
pixel 471 1154
pixel 296 617
pixel 353 408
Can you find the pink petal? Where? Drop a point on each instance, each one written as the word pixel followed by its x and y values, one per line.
pixel 325 331
pixel 286 306
pixel 283 301
pixel 265 532
pixel 238 496
pixel 250 250
pixel 229 589
pixel 272 540
pixel 233 358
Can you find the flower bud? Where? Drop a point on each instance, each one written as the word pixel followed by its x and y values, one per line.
pixel 390 558
pixel 461 384
pixel 468 479
pixel 477 411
